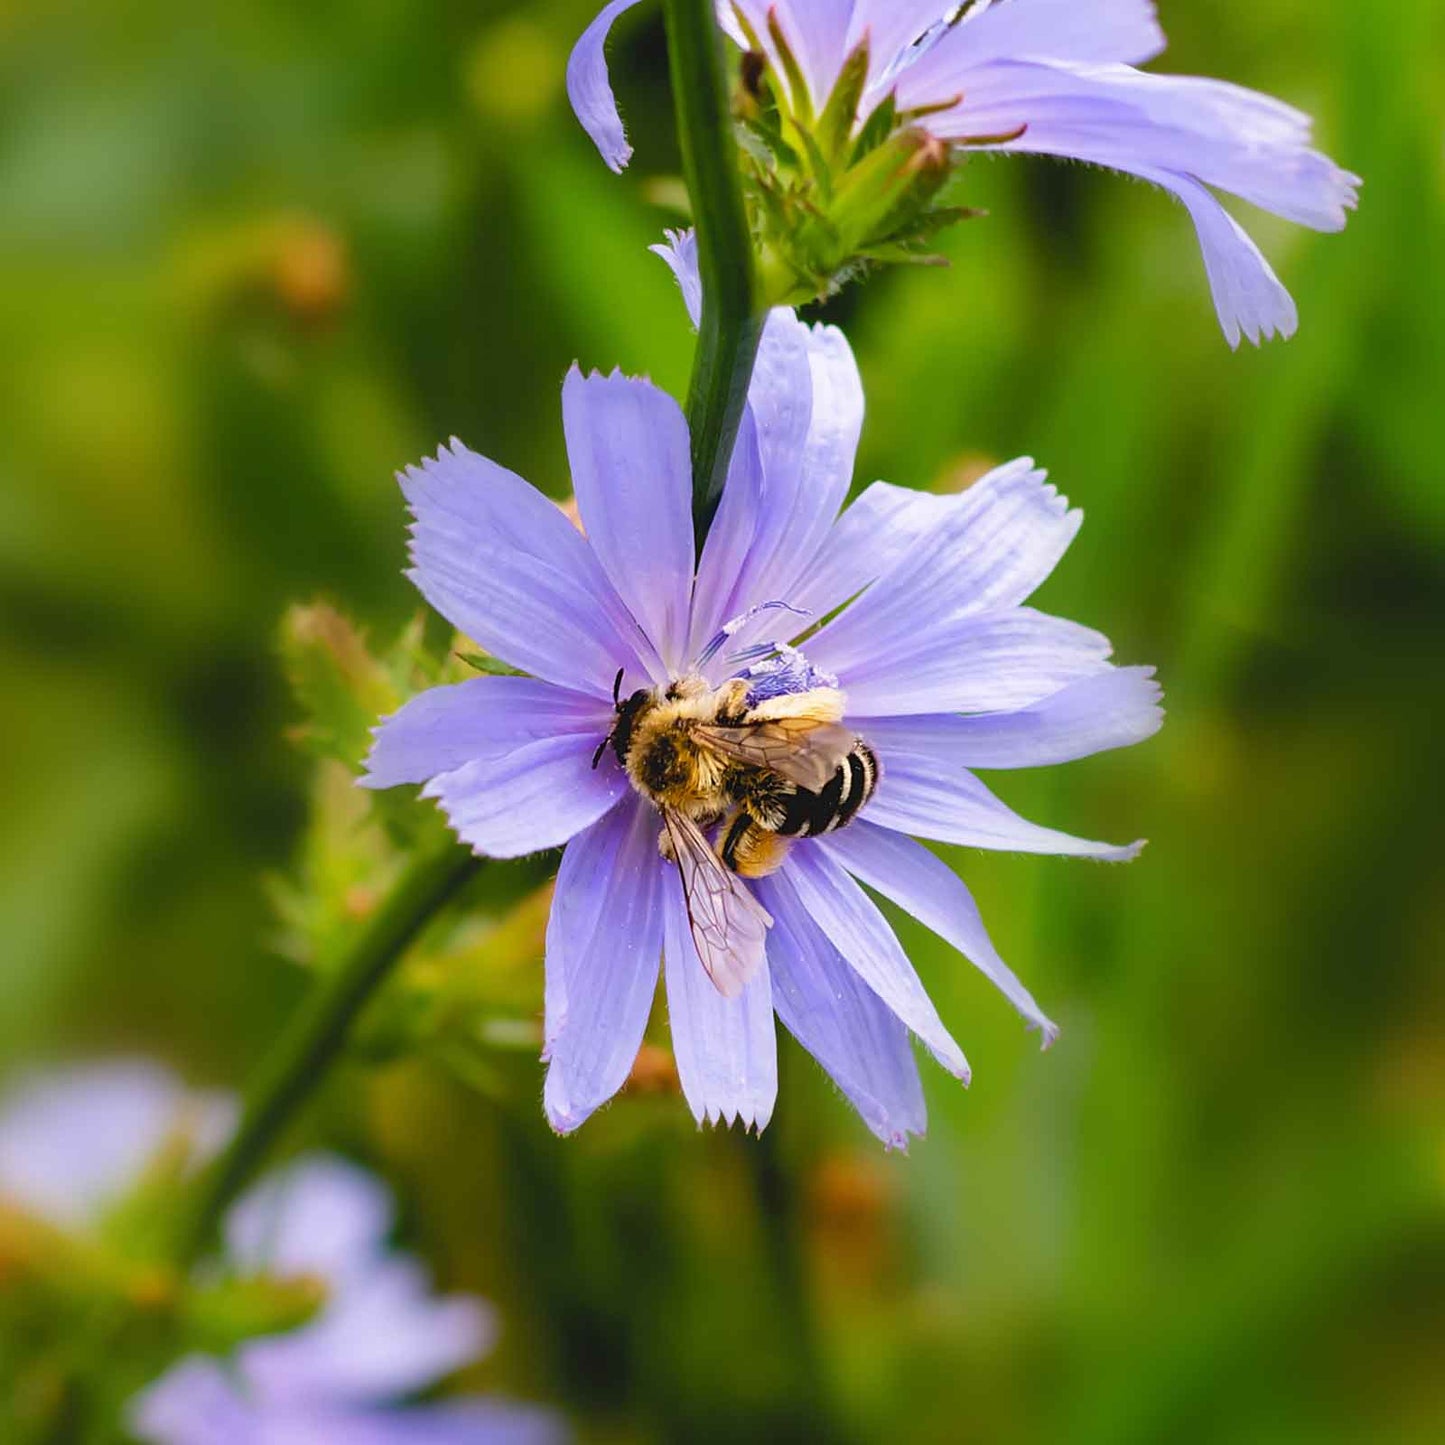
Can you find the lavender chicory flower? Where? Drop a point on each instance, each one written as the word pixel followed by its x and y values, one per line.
pixel 943 667
pixel 75 1143
pixel 1049 77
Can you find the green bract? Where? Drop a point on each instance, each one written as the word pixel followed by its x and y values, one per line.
pixel 831 192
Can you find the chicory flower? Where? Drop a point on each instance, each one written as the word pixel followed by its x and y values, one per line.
pixel 1047 77
pixel 942 665
pixel 75 1145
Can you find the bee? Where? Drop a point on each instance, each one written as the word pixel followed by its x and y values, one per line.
pixel 736 782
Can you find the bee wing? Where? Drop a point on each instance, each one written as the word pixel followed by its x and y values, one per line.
pixel 800 749
pixel 729 926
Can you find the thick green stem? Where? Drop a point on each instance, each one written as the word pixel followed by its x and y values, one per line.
pixel 317 1035
pixel 732 315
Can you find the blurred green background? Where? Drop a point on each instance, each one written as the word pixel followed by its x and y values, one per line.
pixel 255 256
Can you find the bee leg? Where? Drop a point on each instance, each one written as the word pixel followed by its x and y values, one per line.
pixel 732 840
pixel 752 851
pixel 733 702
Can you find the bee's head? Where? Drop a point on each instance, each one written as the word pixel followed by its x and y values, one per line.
pixel 629 709
pixel 628 712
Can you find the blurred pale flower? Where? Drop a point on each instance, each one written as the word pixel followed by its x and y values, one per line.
pixel 73 1143
pixel 1051 77
pixel 942 666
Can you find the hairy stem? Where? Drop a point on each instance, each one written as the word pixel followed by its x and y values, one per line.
pixel 732 315
pixel 306 1050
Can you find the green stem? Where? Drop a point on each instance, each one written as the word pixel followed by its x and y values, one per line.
pixel 775 1189
pixel 732 314
pixel 317 1035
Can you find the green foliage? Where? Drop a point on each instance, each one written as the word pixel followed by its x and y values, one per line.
pixel 471 985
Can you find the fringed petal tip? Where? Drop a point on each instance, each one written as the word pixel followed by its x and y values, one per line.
pixel 895 1142
pixel 590 90
pixel 1047 1031
pixel 1147 680
pixel 368 778
pixel 1146 709
pixel 617 379
pixel 454 449
pixel 1025 477
pixel 563 1125
pixel 753 1119
pixel 679 253
pixel 1339 195
pixel 564 1116
pixel 891 1133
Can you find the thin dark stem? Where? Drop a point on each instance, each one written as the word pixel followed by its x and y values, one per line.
pixel 732 318
pixel 317 1035
pixel 780 1214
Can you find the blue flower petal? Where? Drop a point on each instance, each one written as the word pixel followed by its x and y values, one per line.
pixel 381 1337
pixel 932 892
pixel 726 1049
pixel 70 1142
pixel 1082 31
pixel 1000 660
pixel 537 797
pixel 826 1006
pixel 855 927
pixel 817 32
pixel 604 946
pixel 1112 709
pixel 590 90
pixel 504 566
pixel 445 728
pixel 792 468
pixel 323 1217
pixel 933 798
pixel 993 547
pixel 1179 132
pixel 627 443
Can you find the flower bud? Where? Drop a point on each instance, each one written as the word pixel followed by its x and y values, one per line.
pixel 835 191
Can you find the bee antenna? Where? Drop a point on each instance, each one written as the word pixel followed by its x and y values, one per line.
pixel 602 748
pixel 616 692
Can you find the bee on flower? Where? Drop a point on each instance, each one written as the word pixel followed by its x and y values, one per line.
pixel 730 747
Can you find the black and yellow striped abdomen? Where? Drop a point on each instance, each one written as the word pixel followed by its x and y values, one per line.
pixel 834 806
pixel 771 817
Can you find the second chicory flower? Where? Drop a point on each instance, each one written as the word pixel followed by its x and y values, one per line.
pixel 1047 77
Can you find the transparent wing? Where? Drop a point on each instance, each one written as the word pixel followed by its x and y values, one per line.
pixel 801 750
pixel 729 926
